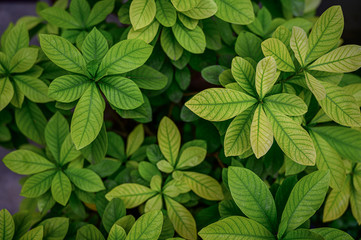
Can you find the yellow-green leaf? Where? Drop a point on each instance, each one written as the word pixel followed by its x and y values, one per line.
pixel 142 13
pixel 169 140
pixel 299 44
pixel 277 49
pixel 265 75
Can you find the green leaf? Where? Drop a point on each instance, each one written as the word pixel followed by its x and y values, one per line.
pixel 355 202
pixel 244 74
pixel 219 104
pixel 315 86
pixel 147 34
pixel 191 157
pixel 95 46
pixel 55 228
pixel 337 202
pixel 299 44
pixel 132 194
pixel 7 225
pixel 68 152
pixel 266 76
pixel 184 5
pixel 203 185
pixel 328 159
pixel 147 170
pixel 202 10
pixel 182 220
pixel 288 104
pixel 99 12
pixel 188 22
pixel 249 45
pixel 88 117
pixel 142 13
pixel 23 60
pixel 115 146
pixel 60 18
pixel 80 9
pixel 169 140
pixel 117 233
pixel 292 167
pixel 306 197
pixel 85 179
pixel 16 39
pixel 340 106
pixel 211 73
pixel 61 52
pixel 275 48
pixel 56 131
pixel 193 41
pixel 89 232
pixel 292 138
pixel 170 45
pixel 6 92
pixel 125 56
pixel 114 210
pixel 300 234
pixel 68 88
pixel 235 227
pixel 332 233
pixel 341 60
pixel 148 78
pixel 325 33
pixel 166 13
pixel 25 162
pixel 252 196
pixel 61 188
pixel 135 139
pixel 121 92
pixel 96 151
pixel 37 184
pixel 235 11
pixel 147 227
pixel 261 135
pixel 34 234
pixel 237 138
pixel 33 88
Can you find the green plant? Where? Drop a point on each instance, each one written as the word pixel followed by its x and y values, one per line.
pixel 131 143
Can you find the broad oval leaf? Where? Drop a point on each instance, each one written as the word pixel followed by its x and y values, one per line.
pixel 166 13
pixel 7 225
pixel 23 60
pixel 193 41
pixel 265 76
pixel 95 46
pixel 244 74
pixel 61 188
pixel 219 104
pixel 56 131
pixel 61 52
pixel 315 86
pixel 135 140
pixel 235 11
pixel 142 13
pixel 61 18
pixel 169 140
pixel 147 227
pixel 147 34
pixel 204 9
pixel 191 157
pixel 252 196
pixel 306 197
pixel 184 5
pixel 37 184
pixel 88 117
pixel 89 232
pixel 33 88
pixel 85 179
pixel 148 78
pixel 170 45
pixel 275 48
pixel 132 194
pixel 288 104
pixel 34 234
pixel 114 210
pixel 117 233
pixel 99 12
pixel 26 162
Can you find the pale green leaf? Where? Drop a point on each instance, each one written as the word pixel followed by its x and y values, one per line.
pixel 235 11
pixel 23 60
pixel 288 104
pixel 202 10
pixel 61 188
pixel 117 233
pixel 219 104
pixel 61 52
pixel 170 45
pixel 292 138
pixel 182 220
pixel 299 44
pixel 37 184
pixel 306 197
pixel 244 74
pixel 325 33
pixel 328 159
pixel 125 56
pixel 6 92
pixel 204 186
pixel 169 140
pixel 7 225
pixel 252 196
pixel 142 13
pixel 33 88
pixel 184 5
pixel 234 228
pixel 265 76
pixel 188 22
pixel 147 34
pixel 166 13
pixel 56 131
pixel 68 88
pixel 275 48
pixel 132 194
pixel 147 227
pixel 155 203
pixel 193 41
pixel 191 157
pixel 315 86
pixel 237 138
pixel 121 92
pixel 261 135
pixel 88 117
pixel 341 60
pixel 135 139
pixel 85 179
